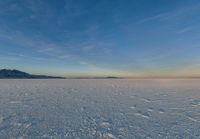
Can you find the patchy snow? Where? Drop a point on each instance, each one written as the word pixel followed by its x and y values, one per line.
pixel 104 109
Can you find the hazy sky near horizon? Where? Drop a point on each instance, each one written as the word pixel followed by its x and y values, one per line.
pixel 101 37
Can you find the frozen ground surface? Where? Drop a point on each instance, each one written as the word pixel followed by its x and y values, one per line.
pixel 104 109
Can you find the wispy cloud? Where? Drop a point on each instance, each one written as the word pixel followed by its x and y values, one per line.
pixel 90 35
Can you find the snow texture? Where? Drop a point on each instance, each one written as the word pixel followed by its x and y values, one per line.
pixel 100 109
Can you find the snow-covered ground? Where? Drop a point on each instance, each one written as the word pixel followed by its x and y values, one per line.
pixel 105 109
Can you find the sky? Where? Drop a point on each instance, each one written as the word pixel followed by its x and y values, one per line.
pixel 125 38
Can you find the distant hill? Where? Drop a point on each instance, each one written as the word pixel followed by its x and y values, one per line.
pixel 112 77
pixel 16 74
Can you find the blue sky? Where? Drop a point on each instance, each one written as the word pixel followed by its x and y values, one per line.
pixel 101 37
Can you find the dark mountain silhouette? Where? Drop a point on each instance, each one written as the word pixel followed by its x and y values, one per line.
pixel 112 77
pixel 16 74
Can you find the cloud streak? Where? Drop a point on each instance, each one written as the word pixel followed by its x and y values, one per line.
pixel 101 35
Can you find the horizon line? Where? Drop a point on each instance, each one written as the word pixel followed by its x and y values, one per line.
pixel 115 77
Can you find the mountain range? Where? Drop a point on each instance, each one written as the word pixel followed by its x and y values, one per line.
pixel 16 74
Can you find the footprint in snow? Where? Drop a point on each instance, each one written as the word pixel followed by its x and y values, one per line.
pixel 133 107
pixel 146 100
pixel 150 109
pixel 109 136
pixel 161 111
pixel 145 115
pixel 105 125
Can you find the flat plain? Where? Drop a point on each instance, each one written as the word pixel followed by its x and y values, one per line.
pixel 100 108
